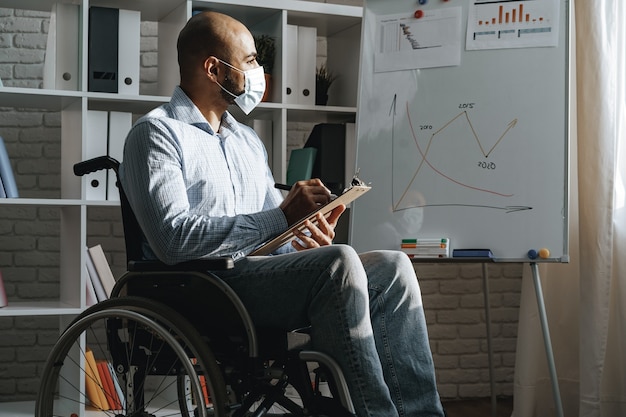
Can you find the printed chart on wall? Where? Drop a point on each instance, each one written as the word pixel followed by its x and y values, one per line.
pixel 462 126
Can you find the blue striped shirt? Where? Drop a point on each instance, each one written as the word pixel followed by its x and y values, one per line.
pixel 197 192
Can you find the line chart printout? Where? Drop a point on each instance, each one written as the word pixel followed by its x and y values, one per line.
pixel 406 42
pixel 476 153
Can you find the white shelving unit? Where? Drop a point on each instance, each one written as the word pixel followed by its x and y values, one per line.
pixel 340 25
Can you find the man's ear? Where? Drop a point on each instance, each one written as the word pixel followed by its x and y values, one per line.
pixel 211 67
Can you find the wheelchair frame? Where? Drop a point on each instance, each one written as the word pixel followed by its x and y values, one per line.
pixel 244 370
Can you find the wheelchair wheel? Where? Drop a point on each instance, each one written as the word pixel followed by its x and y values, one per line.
pixel 159 365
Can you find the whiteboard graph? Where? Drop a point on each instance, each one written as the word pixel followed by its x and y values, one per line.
pixel 429 156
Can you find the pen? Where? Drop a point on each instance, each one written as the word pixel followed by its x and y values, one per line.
pixel 288 188
pixel 282 186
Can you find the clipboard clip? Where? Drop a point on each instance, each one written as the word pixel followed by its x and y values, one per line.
pixel 356 181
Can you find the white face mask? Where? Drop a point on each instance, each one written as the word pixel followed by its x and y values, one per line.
pixel 254 87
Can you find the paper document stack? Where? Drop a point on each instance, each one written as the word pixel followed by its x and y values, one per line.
pixel 426 247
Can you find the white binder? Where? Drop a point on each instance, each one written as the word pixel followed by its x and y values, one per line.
pixel 60 69
pixel 263 128
pixel 119 126
pixel 95 145
pixel 307 51
pixel 291 64
pixel 128 50
pixel 351 167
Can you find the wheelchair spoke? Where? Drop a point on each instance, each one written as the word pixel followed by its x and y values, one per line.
pixel 142 343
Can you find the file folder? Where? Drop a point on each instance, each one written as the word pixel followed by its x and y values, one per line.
pixel 103 49
pixel 95 145
pixel 350 162
pixel 128 52
pixel 307 57
pixel 330 164
pixel 60 69
pixel 119 126
pixel 264 130
pixel 291 64
pixel 300 165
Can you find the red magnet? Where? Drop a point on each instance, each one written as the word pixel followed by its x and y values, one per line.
pixel 418 14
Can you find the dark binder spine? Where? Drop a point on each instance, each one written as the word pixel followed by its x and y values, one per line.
pixel 103 49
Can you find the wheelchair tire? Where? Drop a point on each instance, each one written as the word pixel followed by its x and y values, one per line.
pixel 149 345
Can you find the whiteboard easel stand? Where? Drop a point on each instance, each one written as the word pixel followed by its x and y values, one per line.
pixel 492 385
pixel 542 317
pixel 556 393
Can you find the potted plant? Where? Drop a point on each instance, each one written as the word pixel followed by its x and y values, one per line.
pixel 266 51
pixel 323 80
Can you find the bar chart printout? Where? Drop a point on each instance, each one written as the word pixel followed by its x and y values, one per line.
pixel 512 24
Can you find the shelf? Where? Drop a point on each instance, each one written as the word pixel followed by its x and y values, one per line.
pixel 38 308
pixel 121 102
pixel 17 409
pixel 39 5
pixel 58 202
pixel 33 98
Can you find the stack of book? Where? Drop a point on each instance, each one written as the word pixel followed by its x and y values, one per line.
pixel 426 247
pixel 103 388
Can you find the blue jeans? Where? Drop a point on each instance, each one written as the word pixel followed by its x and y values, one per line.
pixel 364 310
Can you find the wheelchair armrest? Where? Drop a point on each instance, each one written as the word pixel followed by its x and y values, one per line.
pixel 216 263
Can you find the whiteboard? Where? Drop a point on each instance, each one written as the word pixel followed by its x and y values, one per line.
pixel 477 151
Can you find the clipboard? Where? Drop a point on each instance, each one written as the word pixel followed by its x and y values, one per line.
pixel 349 195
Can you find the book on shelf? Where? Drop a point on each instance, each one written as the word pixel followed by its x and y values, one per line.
pixel 102 269
pixel 3 293
pixel 117 386
pixel 93 382
pixel 90 297
pixel 203 384
pixel 107 384
pixel 205 390
pixel 95 279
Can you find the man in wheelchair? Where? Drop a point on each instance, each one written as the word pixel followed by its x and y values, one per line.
pixel 199 185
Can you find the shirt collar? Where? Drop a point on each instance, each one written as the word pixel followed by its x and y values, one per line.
pixel 186 111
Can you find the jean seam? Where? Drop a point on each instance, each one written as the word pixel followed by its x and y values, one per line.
pixel 346 340
pixel 393 376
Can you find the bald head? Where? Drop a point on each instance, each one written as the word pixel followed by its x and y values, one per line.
pixel 207 34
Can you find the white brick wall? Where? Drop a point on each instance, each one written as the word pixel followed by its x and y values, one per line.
pixel 29 255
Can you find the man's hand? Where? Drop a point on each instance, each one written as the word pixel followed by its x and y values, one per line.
pixel 318 235
pixel 304 198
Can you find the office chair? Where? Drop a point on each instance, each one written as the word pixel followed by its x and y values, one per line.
pixel 178 341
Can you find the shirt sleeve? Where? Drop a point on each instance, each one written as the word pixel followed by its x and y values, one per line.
pixel 154 181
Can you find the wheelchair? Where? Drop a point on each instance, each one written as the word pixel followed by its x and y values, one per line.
pixel 178 341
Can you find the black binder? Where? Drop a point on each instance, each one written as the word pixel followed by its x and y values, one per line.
pixel 103 49
pixel 330 163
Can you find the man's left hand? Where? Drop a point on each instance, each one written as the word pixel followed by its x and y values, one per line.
pixel 321 234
